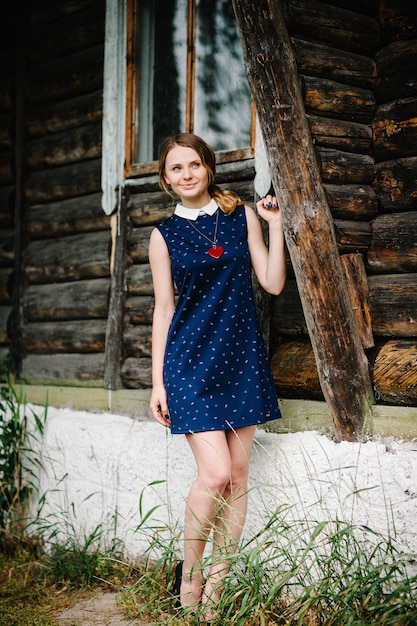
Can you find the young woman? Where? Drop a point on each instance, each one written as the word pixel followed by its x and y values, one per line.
pixel 211 375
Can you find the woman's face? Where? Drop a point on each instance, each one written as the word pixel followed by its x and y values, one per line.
pixel 187 176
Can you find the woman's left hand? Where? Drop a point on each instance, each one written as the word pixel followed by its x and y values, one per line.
pixel 268 209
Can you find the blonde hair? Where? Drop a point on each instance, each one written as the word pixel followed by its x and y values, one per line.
pixel 226 199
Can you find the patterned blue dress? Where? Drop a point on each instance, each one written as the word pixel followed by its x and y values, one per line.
pixel 216 369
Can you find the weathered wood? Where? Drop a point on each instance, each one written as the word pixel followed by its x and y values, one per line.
pixel 6 131
pixel 5 312
pixel 137 341
pixel 395 184
pixel 139 310
pixel 337 100
pixel 295 371
pixel 59 116
pixel 67 217
pixel 64 369
pixel 332 25
pixel 393 302
pixel 345 67
pixel 356 202
pixel 398 20
pixel 287 312
pixel 395 129
pixel 6 168
pixel 352 236
pixel 138 244
pixel 67 181
pixel 77 144
pixel 69 336
pixel 394 243
pixel 86 28
pixel 44 12
pixel 363 7
pixel 6 208
pixel 339 134
pixel 75 257
pixel 395 372
pixel 67 77
pixel 114 330
pixel 344 167
pixel 139 280
pixel 357 286
pixel 82 299
pixel 137 373
pixel 5 290
pixel 7 236
pixel 272 74
pixel 396 67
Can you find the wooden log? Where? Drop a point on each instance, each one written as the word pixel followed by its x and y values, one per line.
pixel 295 372
pixel 139 310
pixel 137 341
pixel 395 372
pixel 332 99
pixel 45 12
pixel 138 244
pixel 343 167
pixel 60 116
pixel 6 206
pixel 5 287
pixel 86 28
pixel 316 59
pixel 395 184
pixel 341 135
pixel 139 280
pixel 272 74
pixel 66 217
pixel 394 243
pixel 77 144
pixel 332 25
pixel 393 302
pixel 76 257
pixel 84 370
pixel 137 373
pixel 398 20
pixel 396 69
pixel 6 168
pixel 66 77
pixel 355 202
pixel 70 336
pixel 149 208
pixel 5 312
pixel 357 286
pixel 7 238
pixel 363 7
pixel 352 236
pixel 79 300
pixel 6 131
pixel 395 129
pixel 287 313
pixel 67 181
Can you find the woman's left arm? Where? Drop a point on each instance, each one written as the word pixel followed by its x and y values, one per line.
pixel 268 263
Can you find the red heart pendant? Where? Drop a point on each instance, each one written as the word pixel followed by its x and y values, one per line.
pixel 216 252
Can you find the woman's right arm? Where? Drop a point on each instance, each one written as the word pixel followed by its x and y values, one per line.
pixel 162 316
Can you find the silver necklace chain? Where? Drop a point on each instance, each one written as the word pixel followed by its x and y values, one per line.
pixel 214 241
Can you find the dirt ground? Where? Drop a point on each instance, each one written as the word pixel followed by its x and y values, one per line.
pixel 99 610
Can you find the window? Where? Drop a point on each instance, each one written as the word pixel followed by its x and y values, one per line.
pixel 185 73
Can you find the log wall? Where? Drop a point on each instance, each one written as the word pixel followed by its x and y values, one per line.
pixel 377 98
pixel 357 70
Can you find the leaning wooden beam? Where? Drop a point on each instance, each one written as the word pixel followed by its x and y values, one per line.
pixel 272 73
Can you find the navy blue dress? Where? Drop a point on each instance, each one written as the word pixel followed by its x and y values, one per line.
pixel 216 369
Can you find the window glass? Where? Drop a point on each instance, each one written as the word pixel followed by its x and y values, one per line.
pixel 190 75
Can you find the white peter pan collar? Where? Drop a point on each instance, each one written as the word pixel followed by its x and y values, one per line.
pixel 193 214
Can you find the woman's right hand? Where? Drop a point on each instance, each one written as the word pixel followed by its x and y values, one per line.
pixel 159 406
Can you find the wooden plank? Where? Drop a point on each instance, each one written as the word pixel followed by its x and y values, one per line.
pixel 295 371
pixel 330 98
pixel 66 369
pixel 139 310
pixel 137 341
pixel 338 167
pixel 316 59
pixel 6 275
pixel 81 299
pixel 340 135
pixel 67 181
pixel 139 280
pixel 393 302
pixel 357 285
pixel 69 146
pixel 352 236
pixel 333 25
pixel 355 202
pixel 76 257
pixel 395 372
pixel 273 78
pixel 5 312
pixel 84 336
pixel 137 373
pixel 138 244
pixel 394 243
pixel 396 65
pixel 6 206
pixel 395 129
pixel 395 184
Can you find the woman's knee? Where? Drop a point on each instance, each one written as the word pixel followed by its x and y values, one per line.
pixel 217 480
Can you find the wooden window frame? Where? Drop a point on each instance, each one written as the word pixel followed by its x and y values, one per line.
pixel 132 167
